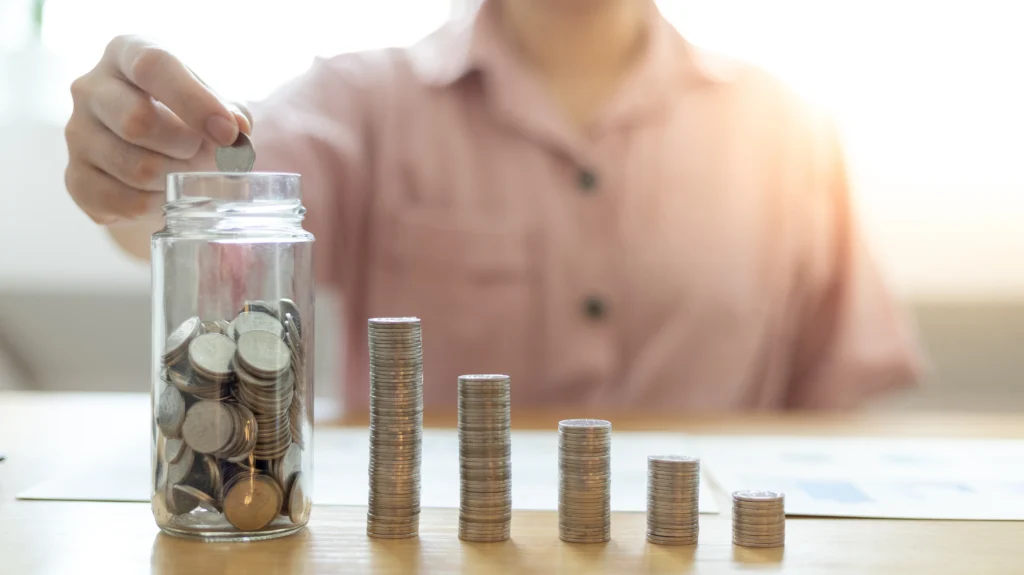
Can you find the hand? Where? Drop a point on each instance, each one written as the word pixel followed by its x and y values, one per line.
pixel 139 115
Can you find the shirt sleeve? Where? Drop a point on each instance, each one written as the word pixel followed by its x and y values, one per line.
pixel 316 126
pixel 854 340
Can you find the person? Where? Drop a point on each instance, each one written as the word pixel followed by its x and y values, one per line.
pixel 566 191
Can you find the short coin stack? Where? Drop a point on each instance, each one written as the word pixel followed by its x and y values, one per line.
pixel 396 427
pixel 266 385
pixel 758 519
pixel 673 494
pixel 584 480
pixel 485 458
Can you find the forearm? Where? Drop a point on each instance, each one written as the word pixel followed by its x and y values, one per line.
pixel 133 237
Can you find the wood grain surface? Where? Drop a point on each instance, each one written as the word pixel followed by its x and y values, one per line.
pixel 43 435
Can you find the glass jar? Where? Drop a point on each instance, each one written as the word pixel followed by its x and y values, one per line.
pixel 232 370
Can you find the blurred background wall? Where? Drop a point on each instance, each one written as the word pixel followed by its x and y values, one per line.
pixel 928 95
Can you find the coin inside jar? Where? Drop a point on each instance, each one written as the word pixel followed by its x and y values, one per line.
pixel 252 504
pixel 297 499
pixel 209 426
pixel 170 413
pixel 191 498
pixel 290 311
pixel 180 338
pixel 174 448
pixel 250 320
pixel 211 355
pixel 177 471
pixel 288 465
pixel 263 353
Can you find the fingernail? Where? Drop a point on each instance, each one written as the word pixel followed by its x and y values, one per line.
pixel 223 130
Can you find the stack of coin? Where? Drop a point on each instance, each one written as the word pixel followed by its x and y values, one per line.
pixel 266 385
pixel 485 458
pixel 224 430
pixel 226 411
pixel 289 313
pixel 211 374
pixel 673 493
pixel 396 427
pixel 584 480
pixel 758 519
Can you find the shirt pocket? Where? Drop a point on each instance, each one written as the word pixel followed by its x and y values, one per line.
pixel 469 280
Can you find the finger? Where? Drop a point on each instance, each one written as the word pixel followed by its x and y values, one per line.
pixel 105 199
pixel 243 110
pixel 241 113
pixel 132 165
pixel 136 118
pixel 165 78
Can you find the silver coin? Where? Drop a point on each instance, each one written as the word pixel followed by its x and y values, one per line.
pixel 189 497
pixel 170 413
pixel 743 543
pixel 179 502
pixel 180 337
pixel 680 541
pixel 297 502
pixel 765 538
pixel 263 352
pixel 210 326
pixel 289 465
pixel 174 449
pixel 211 354
pixel 180 469
pixel 260 306
pixel 583 425
pixel 757 496
pixel 250 320
pixel 238 157
pixel 672 461
pixel 208 427
pixel 384 322
pixel 290 308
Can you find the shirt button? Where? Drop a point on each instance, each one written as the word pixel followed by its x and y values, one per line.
pixel 594 307
pixel 587 180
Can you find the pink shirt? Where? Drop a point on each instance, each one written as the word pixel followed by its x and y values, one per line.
pixel 693 250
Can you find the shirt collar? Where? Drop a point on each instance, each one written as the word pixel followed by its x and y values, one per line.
pixel 475 44
pixel 467 44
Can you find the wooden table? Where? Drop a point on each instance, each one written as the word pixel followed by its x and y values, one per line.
pixel 43 434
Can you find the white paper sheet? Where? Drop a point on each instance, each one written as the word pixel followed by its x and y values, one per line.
pixel 875 477
pixel 341 458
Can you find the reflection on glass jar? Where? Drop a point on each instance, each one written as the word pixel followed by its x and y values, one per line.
pixel 233 304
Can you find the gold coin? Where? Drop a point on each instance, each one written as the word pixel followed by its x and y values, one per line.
pixel 252 503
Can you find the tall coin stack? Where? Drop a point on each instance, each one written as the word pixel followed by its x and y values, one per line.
pixel 584 480
pixel 673 493
pixel 758 519
pixel 396 427
pixel 485 458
